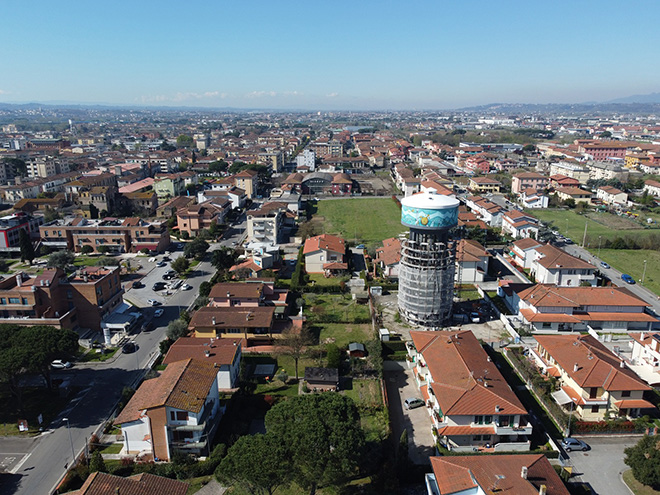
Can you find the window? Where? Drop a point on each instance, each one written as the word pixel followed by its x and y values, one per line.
pixel 625 393
pixel 594 409
pixel 25 301
pixel 488 419
pixel 479 420
pixel 3 300
pixel 593 392
pixel 14 300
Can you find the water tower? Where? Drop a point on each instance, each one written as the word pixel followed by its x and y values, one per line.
pixel 426 270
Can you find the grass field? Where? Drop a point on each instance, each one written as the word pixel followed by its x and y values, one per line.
pixel 343 334
pixel 364 220
pixel 635 486
pixel 631 261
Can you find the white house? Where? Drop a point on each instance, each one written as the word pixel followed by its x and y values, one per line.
pixel 471 262
pixel 645 358
pixel 519 225
pixel 552 265
pixel 523 251
pixel 325 254
pixel 612 196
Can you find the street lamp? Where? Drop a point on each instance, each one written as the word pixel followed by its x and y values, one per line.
pixel 599 238
pixel 573 402
pixel 644 272
pixel 73 453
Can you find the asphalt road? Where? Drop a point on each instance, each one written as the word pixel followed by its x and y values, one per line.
pixel 35 466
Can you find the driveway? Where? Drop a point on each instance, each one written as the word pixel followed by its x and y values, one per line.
pixel 602 466
pixel 401 385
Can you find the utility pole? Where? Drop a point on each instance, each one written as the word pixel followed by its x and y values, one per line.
pixel 584 237
pixel 644 272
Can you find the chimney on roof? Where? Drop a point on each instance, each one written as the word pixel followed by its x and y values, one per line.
pixel 228 294
pixel 523 472
pixel 542 490
pixel 213 320
pixel 207 353
pixel 622 364
pixel 19 279
pixel 575 367
pixel 497 409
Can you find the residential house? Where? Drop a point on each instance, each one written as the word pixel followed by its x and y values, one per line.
pixel 578 309
pixel 168 186
pixel 388 257
pixel 113 235
pixel 612 196
pixel 265 225
pixel 652 187
pixel 322 379
pixel 342 185
pixel 573 170
pixel 523 251
pixel 11 227
pixel 528 180
pixel 519 225
pixel 225 354
pixel 521 474
pixel 608 171
pixel 325 253
pixel 552 265
pixel 560 180
pixel 177 412
pixel 470 403
pixel 575 193
pixel 491 213
pixel 169 209
pixel 471 262
pixel 99 483
pixel 195 218
pixel 645 357
pixel 595 383
pixel 530 198
pixel 254 324
pixel 252 293
pixel 480 185
pixel 142 203
pixel 247 180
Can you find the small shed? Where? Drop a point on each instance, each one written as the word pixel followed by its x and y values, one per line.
pixel 355 349
pixel 384 334
pixel 322 379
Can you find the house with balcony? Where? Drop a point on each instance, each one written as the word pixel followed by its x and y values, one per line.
pixel 575 193
pixel 548 308
pixel 388 257
pixel 521 474
pixel 252 293
pixel 247 180
pixel 254 324
pixel 325 254
pixel 645 358
pixel 523 252
pixel 528 180
pixel 195 218
pixel 595 383
pixel 531 198
pixel 612 196
pixel 552 265
pixel 177 412
pixel 479 185
pixel 265 226
pixel 519 225
pixel 470 403
pixel 225 354
pixel 491 213
pixel 471 262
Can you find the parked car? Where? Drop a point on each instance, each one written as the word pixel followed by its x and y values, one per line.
pixel 154 302
pixel 412 403
pixel 475 317
pixel 128 348
pixel 158 313
pixel 161 263
pixel 604 265
pixel 574 444
pixel 60 364
pixel 186 287
pixel 627 279
pixel 166 258
pixel 137 284
pixel 158 286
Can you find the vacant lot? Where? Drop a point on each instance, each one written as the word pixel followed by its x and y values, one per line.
pixel 363 220
pixel 632 262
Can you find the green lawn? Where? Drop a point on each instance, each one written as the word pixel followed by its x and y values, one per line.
pixel 92 355
pixel 343 334
pixel 632 262
pixel 334 308
pixel 113 448
pixel 366 220
pixel 320 279
pixel 635 486
pixel 196 484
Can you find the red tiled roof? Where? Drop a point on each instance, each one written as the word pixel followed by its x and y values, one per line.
pixel 221 351
pixel 325 242
pixel 634 404
pixel 140 484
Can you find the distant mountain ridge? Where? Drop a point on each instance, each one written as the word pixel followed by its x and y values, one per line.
pixel 648 98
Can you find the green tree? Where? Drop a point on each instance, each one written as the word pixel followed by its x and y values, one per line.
pixel 181 265
pixel 298 276
pixel 223 258
pixel 264 451
pixel 218 166
pixel 103 249
pixel 205 288
pixel 96 463
pixel 644 460
pixel 26 247
pixel 87 249
pixel 196 248
pixel 176 329
pixel 184 141
pixel 333 356
pixel 215 230
pixel 605 135
pixel 322 437
pixel 61 259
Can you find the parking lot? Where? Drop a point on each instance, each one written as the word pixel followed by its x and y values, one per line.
pixel 401 385
pixel 602 465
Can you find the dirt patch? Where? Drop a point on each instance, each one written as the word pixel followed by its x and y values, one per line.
pixel 614 222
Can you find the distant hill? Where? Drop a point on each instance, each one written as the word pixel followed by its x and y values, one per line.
pixel 649 98
pixel 575 109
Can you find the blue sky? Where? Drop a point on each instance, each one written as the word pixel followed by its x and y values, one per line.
pixel 358 55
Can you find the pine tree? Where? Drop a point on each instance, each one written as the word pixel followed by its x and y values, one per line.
pixel 25 245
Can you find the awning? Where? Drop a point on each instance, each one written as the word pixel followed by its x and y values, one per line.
pixel 561 397
pixel 634 404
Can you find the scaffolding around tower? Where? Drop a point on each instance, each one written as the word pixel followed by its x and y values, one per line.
pixel 427 266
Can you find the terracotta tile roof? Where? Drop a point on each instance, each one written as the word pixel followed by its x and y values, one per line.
pixel 552 258
pixel 573 191
pixel 221 351
pixel 183 385
pixel 470 250
pixel 335 266
pixel 450 431
pixel 236 317
pixel 140 484
pixel 634 404
pixel 325 242
pixel 497 474
pixel 527 243
pixel 390 253
pixel 458 366
pixel 249 264
pixel 530 175
pixel 611 190
pixel 596 365
pixel 486 181
pixel 237 289
pixel 540 295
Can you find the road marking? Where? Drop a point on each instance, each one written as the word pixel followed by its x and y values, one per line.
pixel 20 464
